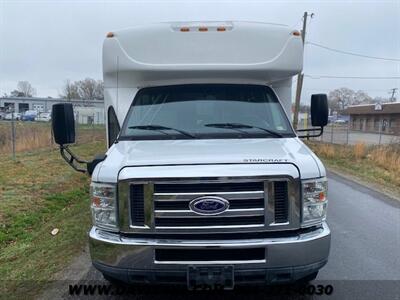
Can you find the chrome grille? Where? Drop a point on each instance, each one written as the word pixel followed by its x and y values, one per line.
pixel 281 201
pixel 137 204
pixel 246 209
pixel 208 187
pixel 161 205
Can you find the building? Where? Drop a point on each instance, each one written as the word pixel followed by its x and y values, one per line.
pixel 383 118
pixel 87 111
pixel 89 115
pixel 22 104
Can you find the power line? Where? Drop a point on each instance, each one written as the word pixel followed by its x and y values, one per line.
pixel 349 77
pixel 362 89
pixel 352 53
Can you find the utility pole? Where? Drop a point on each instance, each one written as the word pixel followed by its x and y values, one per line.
pixel 393 91
pixel 300 76
pixel 13 135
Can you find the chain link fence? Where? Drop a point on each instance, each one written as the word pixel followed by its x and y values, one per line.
pixel 343 134
pixel 18 136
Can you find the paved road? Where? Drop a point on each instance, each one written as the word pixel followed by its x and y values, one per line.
pixel 365 229
pixel 364 262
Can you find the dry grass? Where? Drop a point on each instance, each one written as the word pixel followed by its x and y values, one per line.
pixel 386 157
pixel 380 164
pixel 327 150
pixel 359 150
pixel 31 136
pixel 28 137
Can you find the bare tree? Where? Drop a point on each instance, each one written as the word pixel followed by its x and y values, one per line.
pixel 90 89
pixel 24 89
pixel 99 90
pixel 339 99
pixel 70 90
pixel 16 93
pixel 380 100
pixel 86 89
pixel 361 97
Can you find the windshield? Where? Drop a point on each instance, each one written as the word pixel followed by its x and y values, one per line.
pixel 206 111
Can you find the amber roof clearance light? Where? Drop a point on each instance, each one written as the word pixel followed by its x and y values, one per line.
pixel 110 34
pixel 296 33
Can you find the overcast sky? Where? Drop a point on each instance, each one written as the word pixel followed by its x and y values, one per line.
pixel 47 42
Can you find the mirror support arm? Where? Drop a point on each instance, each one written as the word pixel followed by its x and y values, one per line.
pixel 71 159
pixel 308 135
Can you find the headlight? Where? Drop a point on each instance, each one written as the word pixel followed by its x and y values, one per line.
pixel 314 201
pixel 103 205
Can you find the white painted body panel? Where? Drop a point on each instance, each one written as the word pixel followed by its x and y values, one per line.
pixel 157 155
pixel 246 53
pixel 159 54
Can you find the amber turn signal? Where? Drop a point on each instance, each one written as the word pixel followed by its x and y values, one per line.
pixel 296 33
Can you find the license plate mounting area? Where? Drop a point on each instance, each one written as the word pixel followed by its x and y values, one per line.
pixel 210 278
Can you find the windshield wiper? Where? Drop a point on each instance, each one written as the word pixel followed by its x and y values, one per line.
pixel 160 128
pixel 242 126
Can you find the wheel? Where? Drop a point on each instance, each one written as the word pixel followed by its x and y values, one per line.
pixel 308 278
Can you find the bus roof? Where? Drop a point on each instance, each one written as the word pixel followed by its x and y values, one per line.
pixel 201 51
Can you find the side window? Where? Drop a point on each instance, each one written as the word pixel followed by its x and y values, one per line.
pixel 113 126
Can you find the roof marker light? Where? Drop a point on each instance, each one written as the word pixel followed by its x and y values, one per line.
pixel 185 29
pixel 296 33
pixel 110 34
pixel 221 28
pixel 203 29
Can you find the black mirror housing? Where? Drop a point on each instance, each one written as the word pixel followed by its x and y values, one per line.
pixel 63 123
pixel 319 110
pixel 92 164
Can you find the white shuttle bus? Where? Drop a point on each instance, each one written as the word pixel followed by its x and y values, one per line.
pixel 205 182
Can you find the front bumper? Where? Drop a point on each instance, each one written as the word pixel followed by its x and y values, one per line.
pixel 286 259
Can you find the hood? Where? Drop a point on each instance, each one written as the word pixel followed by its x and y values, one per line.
pixel 213 151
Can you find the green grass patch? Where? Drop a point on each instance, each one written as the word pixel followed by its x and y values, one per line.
pixel 40 192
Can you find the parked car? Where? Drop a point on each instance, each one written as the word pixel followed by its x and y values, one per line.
pixel 44 117
pixel 29 115
pixel 340 121
pixel 9 116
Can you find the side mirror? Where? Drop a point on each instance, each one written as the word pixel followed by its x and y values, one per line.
pixel 319 110
pixel 319 116
pixel 63 123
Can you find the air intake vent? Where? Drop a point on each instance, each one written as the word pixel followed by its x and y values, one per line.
pixel 137 204
pixel 198 255
pixel 211 221
pixel 281 201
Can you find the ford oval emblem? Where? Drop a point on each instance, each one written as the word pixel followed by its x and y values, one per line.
pixel 209 205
